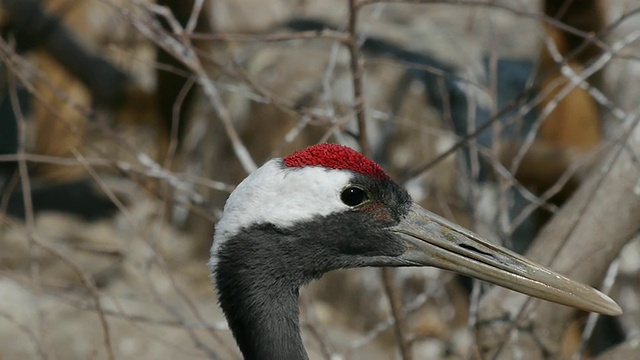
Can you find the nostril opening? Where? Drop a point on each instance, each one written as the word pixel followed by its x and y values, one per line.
pixel 471 248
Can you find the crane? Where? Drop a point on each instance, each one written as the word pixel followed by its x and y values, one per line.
pixel 328 207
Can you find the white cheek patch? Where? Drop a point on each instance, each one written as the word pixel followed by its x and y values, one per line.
pixel 280 196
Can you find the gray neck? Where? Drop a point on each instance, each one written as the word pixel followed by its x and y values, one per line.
pixel 269 326
pixel 258 293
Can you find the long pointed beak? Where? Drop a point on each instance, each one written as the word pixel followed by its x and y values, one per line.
pixel 435 241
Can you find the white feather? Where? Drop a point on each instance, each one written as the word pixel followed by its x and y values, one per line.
pixel 280 196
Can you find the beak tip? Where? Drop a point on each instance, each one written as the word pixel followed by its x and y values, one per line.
pixel 612 310
pixel 594 300
pixel 616 311
pixel 609 307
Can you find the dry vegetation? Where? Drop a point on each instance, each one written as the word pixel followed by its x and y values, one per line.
pixel 136 286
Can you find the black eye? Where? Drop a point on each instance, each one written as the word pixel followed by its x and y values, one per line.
pixel 353 196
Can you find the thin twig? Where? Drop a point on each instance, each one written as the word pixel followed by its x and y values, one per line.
pixel 26 331
pixel 34 253
pixel 278 37
pixel 89 284
pixel 395 301
pixel 357 71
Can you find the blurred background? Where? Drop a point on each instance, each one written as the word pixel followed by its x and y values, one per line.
pixel 125 124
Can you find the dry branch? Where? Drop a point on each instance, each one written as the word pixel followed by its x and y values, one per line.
pixel 581 241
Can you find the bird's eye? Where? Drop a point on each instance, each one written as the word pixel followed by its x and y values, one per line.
pixel 353 196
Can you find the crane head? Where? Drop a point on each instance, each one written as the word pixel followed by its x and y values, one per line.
pixel 328 207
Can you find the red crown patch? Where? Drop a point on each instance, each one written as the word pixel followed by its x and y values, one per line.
pixel 335 156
